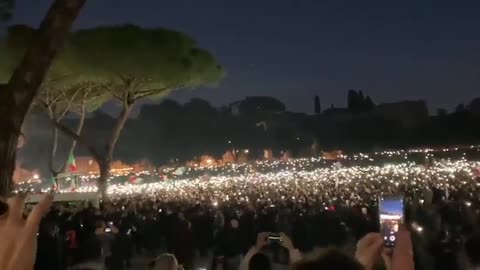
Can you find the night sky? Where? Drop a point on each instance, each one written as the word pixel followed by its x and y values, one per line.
pixel 294 49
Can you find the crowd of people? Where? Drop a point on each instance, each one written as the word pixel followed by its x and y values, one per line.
pixel 274 215
pixel 108 245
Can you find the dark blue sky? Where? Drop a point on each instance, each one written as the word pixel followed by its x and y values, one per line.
pixel 294 49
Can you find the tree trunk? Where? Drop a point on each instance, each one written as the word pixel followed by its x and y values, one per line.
pixel 17 96
pixel 110 148
pixel 103 159
pixel 8 150
pixel 121 120
pixel 81 122
pixel 53 152
pixel 104 166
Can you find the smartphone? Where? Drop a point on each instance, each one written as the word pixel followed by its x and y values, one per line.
pixel 275 238
pixel 391 216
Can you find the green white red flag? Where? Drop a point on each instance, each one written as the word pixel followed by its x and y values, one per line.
pixel 72 165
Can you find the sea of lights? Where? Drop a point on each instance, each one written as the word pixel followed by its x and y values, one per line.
pixel 359 177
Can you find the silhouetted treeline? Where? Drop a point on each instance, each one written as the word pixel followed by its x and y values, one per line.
pixel 169 131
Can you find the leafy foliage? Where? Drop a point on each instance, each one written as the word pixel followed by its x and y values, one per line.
pixel 127 60
pixel 6 9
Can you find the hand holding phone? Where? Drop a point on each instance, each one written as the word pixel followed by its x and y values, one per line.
pixel 391 217
pixel 287 242
pixel 368 249
pixel 262 240
pixel 275 238
pixel 401 256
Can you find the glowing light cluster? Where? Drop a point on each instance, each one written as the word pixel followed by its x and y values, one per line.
pixel 329 186
pixel 355 178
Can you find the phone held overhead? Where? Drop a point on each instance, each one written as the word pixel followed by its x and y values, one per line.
pixel 391 217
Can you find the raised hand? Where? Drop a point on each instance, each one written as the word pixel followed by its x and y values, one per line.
pixel 294 254
pixel 401 257
pixel 287 242
pixel 369 249
pixel 18 244
pixel 262 240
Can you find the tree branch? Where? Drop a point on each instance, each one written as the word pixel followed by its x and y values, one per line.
pixel 78 132
pixel 117 130
pixel 79 139
pixel 18 95
pixel 27 78
pixel 53 152
pixel 150 92
pixel 68 104
pixel 111 91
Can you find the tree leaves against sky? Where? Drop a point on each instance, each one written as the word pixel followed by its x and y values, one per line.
pixel 6 9
pixel 152 61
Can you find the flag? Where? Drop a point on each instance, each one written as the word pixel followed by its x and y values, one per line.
pixel 54 183
pixel 132 179
pixel 71 163
pixel 135 180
